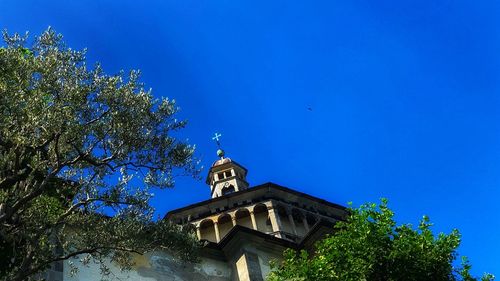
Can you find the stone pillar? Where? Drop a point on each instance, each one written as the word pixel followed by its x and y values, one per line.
pixel 292 222
pixel 254 223
pixel 275 221
pixel 306 225
pixel 233 219
pixel 198 232
pixel 248 267
pixel 217 234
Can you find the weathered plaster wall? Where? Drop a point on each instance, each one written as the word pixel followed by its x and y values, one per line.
pixel 156 267
pixel 264 261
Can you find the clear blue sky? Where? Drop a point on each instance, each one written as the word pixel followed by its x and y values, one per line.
pixel 404 98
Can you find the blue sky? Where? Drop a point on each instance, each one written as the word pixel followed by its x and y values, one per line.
pixel 344 100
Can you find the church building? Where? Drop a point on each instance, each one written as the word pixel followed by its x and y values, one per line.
pixel 245 227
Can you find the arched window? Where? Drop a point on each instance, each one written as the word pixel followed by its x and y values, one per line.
pixel 227 190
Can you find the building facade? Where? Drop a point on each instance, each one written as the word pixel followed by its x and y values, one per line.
pixel 244 228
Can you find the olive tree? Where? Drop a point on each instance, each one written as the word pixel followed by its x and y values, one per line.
pixel 80 153
pixel 370 246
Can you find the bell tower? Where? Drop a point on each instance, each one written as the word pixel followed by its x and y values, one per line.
pixel 225 175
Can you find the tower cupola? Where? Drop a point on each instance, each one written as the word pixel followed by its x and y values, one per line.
pixel 225 175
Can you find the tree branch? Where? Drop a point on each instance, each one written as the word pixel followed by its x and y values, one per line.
pixel 9 181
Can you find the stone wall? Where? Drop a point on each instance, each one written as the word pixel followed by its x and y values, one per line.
pixel 155 267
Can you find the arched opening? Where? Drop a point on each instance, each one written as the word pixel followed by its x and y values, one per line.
pixel 243 218
pixel 227 190
pixel 225 225
pixel 261 217
pixel 311 220
pixel 285 222
pixel 298 218
pixel 207 231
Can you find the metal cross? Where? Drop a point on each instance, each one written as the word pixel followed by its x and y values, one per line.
pixel 216 138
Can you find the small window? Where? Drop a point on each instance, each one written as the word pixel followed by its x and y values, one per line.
pixel 220 176
pixel 227 173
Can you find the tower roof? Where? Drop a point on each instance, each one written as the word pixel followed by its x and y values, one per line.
pixel 222 161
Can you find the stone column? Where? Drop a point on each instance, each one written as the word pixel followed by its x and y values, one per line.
pixel 217 234
pixel 198 232
pixel 306 225
pixel 275 220
pixel 292 222
pixel 248 267
pixel 254 223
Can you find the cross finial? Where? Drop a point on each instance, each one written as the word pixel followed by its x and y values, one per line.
pixel 220 152
pixel 216 138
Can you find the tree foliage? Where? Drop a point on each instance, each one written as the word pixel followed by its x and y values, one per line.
pixel 370 246
pixel 80 151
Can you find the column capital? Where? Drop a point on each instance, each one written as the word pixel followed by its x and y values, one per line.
pixel 271 203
